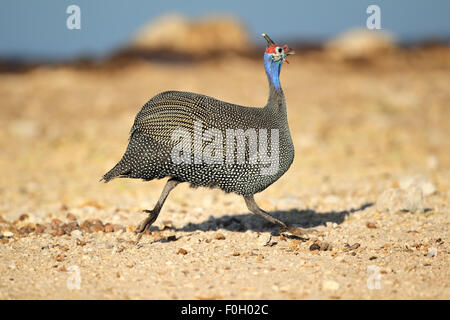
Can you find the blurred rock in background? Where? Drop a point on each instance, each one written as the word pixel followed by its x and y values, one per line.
pixel 208 36
pixel 360 44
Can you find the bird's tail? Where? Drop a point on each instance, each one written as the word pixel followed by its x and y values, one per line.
pixel 119 170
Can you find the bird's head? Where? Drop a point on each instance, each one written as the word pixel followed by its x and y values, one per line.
pixel 278 53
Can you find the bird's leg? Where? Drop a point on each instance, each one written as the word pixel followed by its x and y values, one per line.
pixel 253 207
pixel 153 214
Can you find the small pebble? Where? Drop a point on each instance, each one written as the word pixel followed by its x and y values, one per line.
pixel 325 246
pixel 24 231
pixel 119 228
pixel 81 242
pixel 76 234
pixel 8 234
pixel 97 226
pixel 371 225
pixel 294 244
pixel 265 239
pixel 109 227
pixel 118 249
pixel 220 236
pixel 182 251
pixel 71 217
pixel 330 224
pixel 432 252
pixel 55 223
pixel 58 232
pixel 320 245
pixel 23 217
pixel 39 228
pixel 348 247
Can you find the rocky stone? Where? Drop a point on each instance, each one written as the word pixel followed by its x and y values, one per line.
pixel 396 199
pixel 432 252
pixel 202 37
pixel 420 181
pixel 360 44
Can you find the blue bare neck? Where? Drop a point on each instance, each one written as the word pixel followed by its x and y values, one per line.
pixel 273 70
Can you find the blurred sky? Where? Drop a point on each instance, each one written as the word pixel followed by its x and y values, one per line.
pixel 37 29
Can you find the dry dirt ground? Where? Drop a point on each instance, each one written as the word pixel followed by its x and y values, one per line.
pixel 358 128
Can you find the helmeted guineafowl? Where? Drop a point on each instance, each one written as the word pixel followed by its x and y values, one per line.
pixel 193 138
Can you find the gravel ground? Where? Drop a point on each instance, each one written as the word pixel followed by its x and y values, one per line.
pixel 361 129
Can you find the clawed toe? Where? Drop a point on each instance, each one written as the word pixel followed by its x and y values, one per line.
pixel 144 225
pixel 297 231
pixel 141 227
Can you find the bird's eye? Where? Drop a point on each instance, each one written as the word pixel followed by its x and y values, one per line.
pixel 279 49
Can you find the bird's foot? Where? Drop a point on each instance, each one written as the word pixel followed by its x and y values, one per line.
pixel 144 225
pixel 299 232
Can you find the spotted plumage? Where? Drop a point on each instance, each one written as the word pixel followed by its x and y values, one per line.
pixel 149 154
